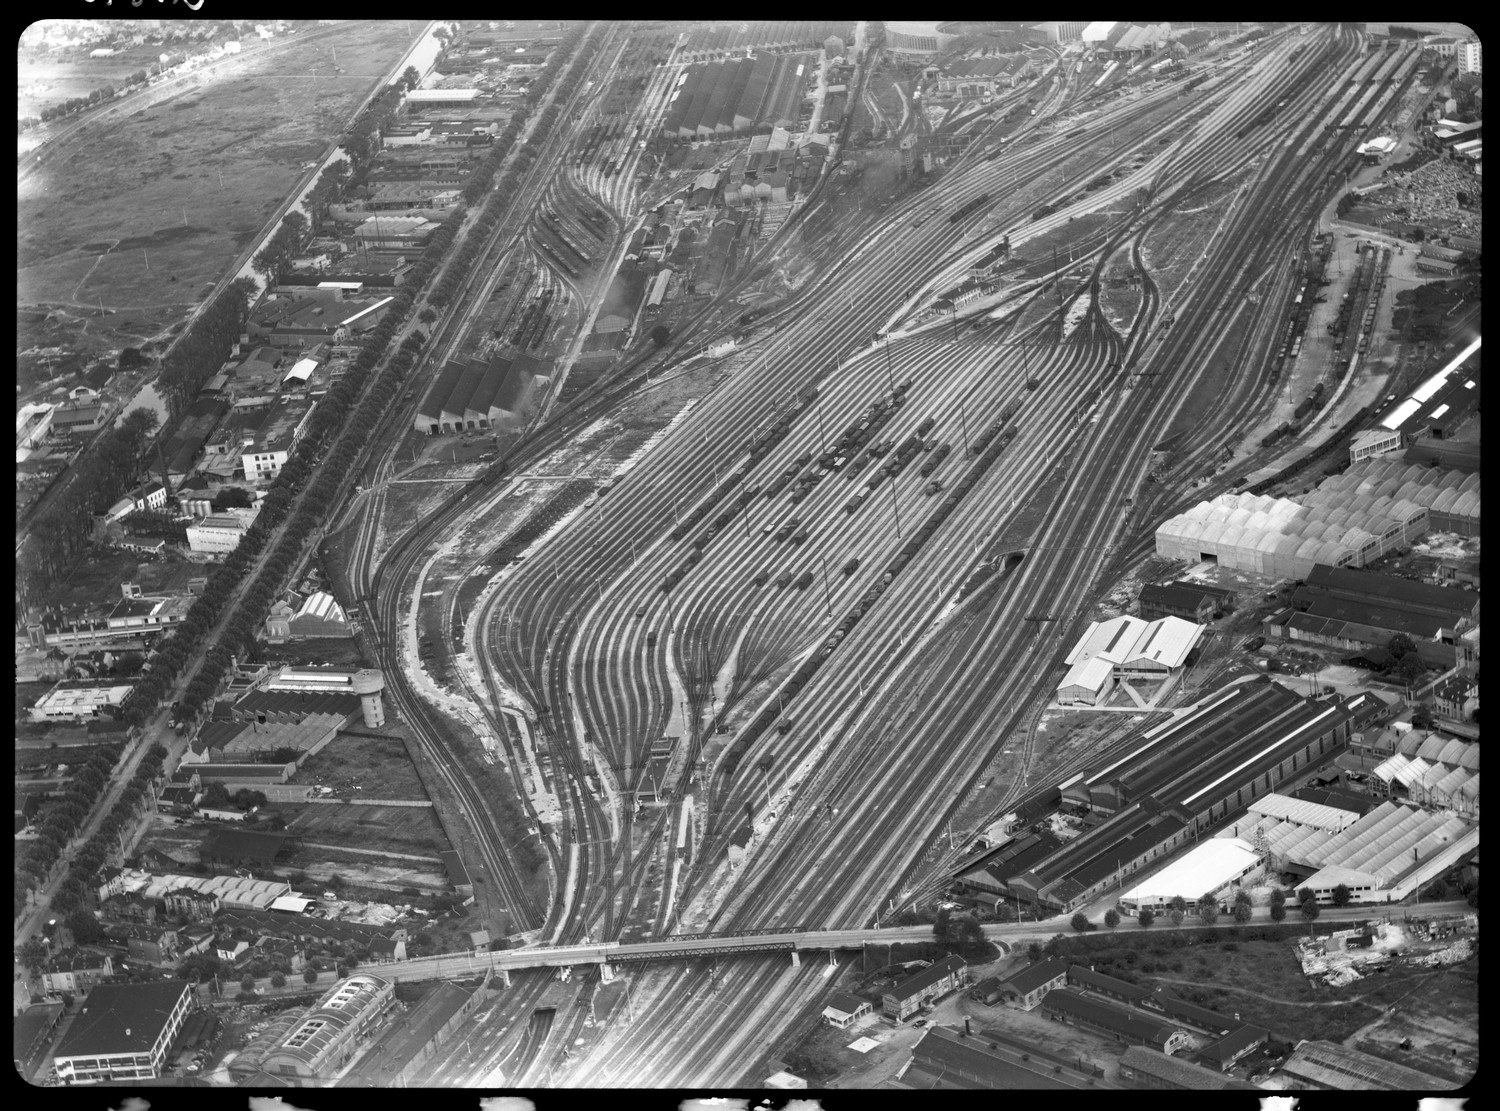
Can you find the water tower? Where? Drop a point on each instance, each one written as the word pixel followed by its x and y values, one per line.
pixel 368 683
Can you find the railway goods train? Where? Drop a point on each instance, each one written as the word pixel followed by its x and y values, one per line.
pixel 969 208
pixel 763 721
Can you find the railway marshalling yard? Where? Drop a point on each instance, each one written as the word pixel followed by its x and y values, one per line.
pixel 738 635
pixel 728 644
pixel 643 650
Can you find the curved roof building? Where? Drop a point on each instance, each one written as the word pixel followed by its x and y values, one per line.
pixel 325 1037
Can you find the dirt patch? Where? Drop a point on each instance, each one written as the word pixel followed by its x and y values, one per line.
pixel 1439 1019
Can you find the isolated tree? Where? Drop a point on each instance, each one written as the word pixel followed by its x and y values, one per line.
pixel 1341 895
pixel 1080 922
pixel 1278 912
pixel 1310 910
pixel 1177 902
pixel 1111 918
pixel 1034 951
pixel 1176 914
pixel 1145 917
pixel 247 982
pixel 32 953
pixel 278 979
pixel 1243 912
pixel 660 334
pixel 1242 896
pixel 411 78
pixel 309 975
pixel 1305 895
pixel 1410 667
pixel 1399 645
pixel 85 928
pixel 427 315
pixel 1054 946
pixel 1208 910
pixel 1278 897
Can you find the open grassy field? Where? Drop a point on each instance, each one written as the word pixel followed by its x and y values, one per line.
pixel 379 767
pixel 398 829
pixel 142 216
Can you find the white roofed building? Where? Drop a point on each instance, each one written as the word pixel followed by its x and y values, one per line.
pixel 1125 648
pixel 1211 867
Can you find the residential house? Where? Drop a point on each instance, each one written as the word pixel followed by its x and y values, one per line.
pixel 191 905
pixel 152 944
pixel 932 982
pixel 384 949
pixel 131 907
pixel 76 971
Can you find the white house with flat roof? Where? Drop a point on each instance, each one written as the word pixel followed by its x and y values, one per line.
pixel 77 703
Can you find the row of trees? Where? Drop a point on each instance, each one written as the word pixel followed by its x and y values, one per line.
pixel 98 96
pixel 274 259
pixel 57 537
pixel 36 861
pixel 195 357
pixel 1207 909
pixel 361 140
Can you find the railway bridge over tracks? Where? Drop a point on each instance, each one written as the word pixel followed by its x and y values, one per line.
pixel 793 941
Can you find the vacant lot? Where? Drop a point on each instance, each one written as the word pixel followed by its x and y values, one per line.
pixel 143 215
pixel 1441 1019
pixel 374 767
pixel 398 829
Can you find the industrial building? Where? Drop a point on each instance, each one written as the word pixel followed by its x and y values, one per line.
pixel 1177 599
pixel 123 1032
pixel 1327 1066
pixel 738 95
pixel 845 1010
pixel 932 982
pixel 917 39
pixel 1143 1067
pixel 1282 538
pixel 316 616
pixel 1450 497
pixel 1211 867
pixel 1381 857
pixel 1125 648
pixel 1353 610
pixel 1026 988
pixel 949 1059
pixel 1111 1021
pixel 478 395
pixel 1162 788
pixel 326 1036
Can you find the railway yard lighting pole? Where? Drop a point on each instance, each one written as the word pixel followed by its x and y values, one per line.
pixel 889 373
pixel 963 424
pixel 827 595
pixel 896 508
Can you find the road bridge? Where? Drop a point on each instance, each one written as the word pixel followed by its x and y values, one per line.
pixel 453 966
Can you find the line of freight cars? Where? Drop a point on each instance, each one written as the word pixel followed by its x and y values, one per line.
pixel 969 208
pixel 760 447
pixel 987 455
